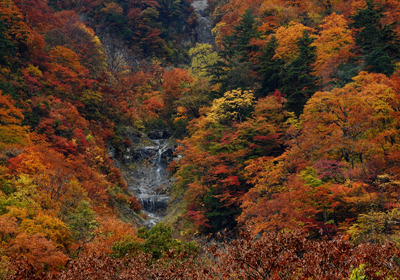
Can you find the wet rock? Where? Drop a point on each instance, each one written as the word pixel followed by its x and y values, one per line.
pixel 146 153
pixel 143 165
pixel 149 180
pixel 133 138
pixel 156 134
pixel 154 203
pixel 204 26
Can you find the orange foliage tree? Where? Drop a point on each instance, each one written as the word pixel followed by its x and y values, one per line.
pixel 11 131
pixel 215 154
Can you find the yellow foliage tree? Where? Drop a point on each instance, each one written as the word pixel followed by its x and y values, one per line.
pixel 232 106
pixel 203 56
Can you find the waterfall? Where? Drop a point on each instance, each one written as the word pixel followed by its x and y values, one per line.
pixel 204 26
pixel 148 180
pixel 158 162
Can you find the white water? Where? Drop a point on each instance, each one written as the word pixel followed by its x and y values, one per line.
pixel 150 181
pixel 204 26
pixel 199 6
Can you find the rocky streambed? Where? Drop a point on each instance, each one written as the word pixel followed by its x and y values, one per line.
pixel 144 167
pixel 204 25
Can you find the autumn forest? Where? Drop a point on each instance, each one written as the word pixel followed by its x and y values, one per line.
pixel 285 126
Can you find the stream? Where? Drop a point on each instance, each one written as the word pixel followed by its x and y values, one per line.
pixel 150 182
pixel 204 26
pixel 144 166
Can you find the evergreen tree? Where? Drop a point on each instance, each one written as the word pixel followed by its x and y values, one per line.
pixel 232 69
pixel 298 82
pixel 238 45
pixel 271 69
pixel 379 43
pixel 7 49
pixel 221 217
pixel 8 54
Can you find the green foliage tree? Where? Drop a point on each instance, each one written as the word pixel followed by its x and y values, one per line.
pixel 82 223
pixel 378 42
pixel 358 273
pixel 233 68
pixel 376 227
pixel 271 69
pixel 298 81
pixel 158 241
pixel 7 49
pixel 238 43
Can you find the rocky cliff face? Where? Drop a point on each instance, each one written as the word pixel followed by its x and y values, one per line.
pixel 202 31
pixel 204 26
pixel 144 167
pixel 144 163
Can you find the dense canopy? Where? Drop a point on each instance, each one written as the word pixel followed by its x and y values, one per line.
pixel 286 128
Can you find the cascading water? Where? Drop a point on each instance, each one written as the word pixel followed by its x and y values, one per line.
pixel 149 179
pixel 204 26
pixel 144 167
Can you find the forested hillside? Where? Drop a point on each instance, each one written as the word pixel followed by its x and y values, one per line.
pixel 287 138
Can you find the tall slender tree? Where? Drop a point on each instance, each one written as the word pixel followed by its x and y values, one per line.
pixel 379 43
pixel 271 68
pixel 233 68
pixel 7 49
pixel 298 81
